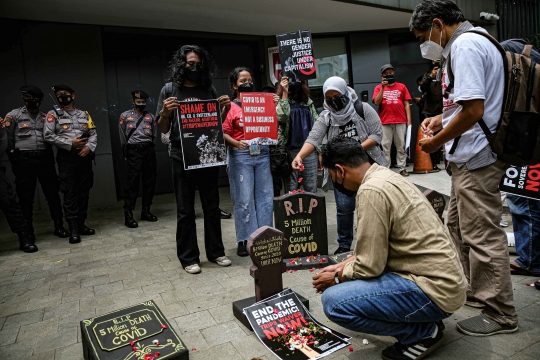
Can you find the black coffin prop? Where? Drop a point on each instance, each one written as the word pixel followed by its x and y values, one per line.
pixel 131 334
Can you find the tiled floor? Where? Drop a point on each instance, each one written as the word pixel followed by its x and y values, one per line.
pixel 44 295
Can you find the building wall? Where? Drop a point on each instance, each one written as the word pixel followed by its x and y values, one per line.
pixel 103 65
pixel 45 54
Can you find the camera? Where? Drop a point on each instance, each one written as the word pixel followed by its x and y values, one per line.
pixel 390 79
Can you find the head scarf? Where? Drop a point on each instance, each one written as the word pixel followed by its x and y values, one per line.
pixel 345 115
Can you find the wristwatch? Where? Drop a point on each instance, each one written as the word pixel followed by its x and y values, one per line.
pixel 336 278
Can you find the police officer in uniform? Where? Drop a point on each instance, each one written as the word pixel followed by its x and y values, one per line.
pixel 73 132
pixel 32 159
pixel 8 202
pixel 137 133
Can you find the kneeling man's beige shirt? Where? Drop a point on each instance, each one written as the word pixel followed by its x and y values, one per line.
pixel 398 231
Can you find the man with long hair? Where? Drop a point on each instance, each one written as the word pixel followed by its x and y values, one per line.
pixel 191 80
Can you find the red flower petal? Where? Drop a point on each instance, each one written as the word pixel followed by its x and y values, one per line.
pixel 323 259
pixel 312 270
pixel 156 354
pixel 276 311
pixel 528 284
pixel 193 349
pixel 350 348
pixel 131 343
pixel 301 167
pixel 163 326
pixel 300 180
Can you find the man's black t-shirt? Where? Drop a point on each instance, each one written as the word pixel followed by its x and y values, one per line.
pixel 182 93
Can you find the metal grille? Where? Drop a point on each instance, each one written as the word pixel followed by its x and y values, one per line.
pixel 518 18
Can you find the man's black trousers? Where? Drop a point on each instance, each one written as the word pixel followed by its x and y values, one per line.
pixel 76 180
pixel 140 161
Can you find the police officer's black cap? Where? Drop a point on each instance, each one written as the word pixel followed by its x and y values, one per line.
pixel 32 90
pixel 57 88
pixel 139 94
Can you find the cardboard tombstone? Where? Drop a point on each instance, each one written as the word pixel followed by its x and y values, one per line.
pixel 437 201
pixel 266 247
pixel 135 332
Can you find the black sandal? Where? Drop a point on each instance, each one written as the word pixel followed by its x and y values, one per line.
pixel 518 270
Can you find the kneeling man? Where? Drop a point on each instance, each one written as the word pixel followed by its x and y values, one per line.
pixel 405 275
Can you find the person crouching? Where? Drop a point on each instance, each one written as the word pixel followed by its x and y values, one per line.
pixel 405 275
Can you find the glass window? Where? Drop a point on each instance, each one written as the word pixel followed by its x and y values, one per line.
pixel 331 60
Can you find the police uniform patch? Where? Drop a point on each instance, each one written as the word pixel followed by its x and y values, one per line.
pixel 148 132
pixel 2 123
pixel 65 127
pixel 50 118
pixel 9 117
pixel 84 126
pixel 131 126
pixel 7 123
pixel 130 118
pixel 24 126
pixel 147 118
pixel 147 126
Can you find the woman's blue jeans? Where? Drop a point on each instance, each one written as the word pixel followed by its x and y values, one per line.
pixel 345 218
pixel 387 305
pixel 252 192
pixel 526 223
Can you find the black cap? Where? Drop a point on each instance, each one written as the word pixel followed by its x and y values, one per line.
pixel 32 90
pixel 139 94
pixel 57 88
pixel 386 67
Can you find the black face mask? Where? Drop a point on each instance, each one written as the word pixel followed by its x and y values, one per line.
pixel 64 99
pixel 295 87
pixel 341 189
pixel 339 103
pixel 245 87
pixel 33 103
pixel 140 107
pixel 192 73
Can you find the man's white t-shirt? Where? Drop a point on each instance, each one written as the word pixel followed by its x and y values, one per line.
pixel 478 71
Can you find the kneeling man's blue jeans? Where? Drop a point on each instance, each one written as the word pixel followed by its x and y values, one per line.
pixel 387 305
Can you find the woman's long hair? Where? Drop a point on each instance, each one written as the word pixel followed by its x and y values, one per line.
pixel 303 96
pixel 233 78
pixel 178 65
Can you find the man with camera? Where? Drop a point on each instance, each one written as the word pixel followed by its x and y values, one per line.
pixel 32 159
pixel 137 133
pixel 73 132
pixel 393 100
pixel 433 101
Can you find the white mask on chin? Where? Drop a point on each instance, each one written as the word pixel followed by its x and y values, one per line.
pixel 431 50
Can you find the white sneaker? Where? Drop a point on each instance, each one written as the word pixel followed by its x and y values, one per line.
pixel 222 261
pixel 193 269
pixel 503 223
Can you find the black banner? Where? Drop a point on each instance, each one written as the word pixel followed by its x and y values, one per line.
pixel 296 55
pixel 201 133
pixel 522 181
pixel 287 329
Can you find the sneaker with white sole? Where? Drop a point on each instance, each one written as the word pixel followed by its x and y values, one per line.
pixel 481 325
pixel 222 261
pixel 415 351
pixel 193 269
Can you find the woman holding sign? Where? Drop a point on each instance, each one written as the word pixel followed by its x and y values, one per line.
pixel 344 115
pixel 248 167
pixel 296 114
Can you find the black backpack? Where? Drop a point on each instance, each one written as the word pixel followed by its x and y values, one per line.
pixel 280 161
